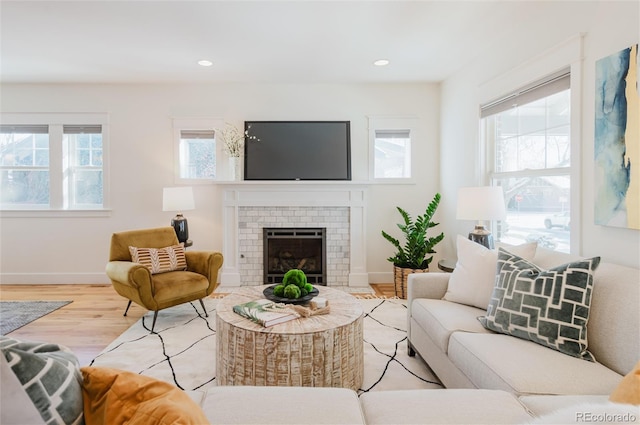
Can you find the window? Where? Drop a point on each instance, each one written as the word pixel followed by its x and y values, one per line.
pixel 527 137
pixel 24 163
pixel 83 147
pixel 391 147
pixel 47 164
pixel 197 150
pixel 197 154
pixel 392 154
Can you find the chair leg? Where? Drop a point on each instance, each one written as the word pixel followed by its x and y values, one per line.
pixel 155 316
pixel 205 310
pixel 127 309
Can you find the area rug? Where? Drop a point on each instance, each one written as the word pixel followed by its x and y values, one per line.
pixel 16 314
pixel 182 351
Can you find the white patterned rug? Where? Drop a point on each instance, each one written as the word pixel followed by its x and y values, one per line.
pixel 182 351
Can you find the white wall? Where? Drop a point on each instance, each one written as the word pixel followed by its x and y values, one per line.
pixel 540 47
pixel 75 250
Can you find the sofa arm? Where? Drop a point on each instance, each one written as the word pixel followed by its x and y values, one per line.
pixel 427 285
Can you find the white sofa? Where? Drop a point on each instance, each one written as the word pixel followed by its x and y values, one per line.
pixel 463 354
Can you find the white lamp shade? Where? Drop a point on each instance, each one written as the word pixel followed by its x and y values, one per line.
pixel 481 203
pixel 177 199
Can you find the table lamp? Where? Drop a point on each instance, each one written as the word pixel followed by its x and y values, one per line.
pixel 482 203
pixel 178 199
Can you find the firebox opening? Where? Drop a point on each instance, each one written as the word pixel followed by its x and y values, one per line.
pixel 295 248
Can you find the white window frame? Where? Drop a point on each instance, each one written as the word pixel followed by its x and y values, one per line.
pixel 392 123
pixel 58 205
pixel 565 55
pixel 198 124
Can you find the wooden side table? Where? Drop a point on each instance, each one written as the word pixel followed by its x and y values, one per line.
pixel 317 351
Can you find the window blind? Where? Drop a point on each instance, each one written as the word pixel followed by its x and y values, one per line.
pixel 392 134
pixel 552 84
pixel 82 129
pixel 197 134
pixel 24 129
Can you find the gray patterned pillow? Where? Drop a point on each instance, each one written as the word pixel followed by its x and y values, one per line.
pixel 548 307
pixel 49 375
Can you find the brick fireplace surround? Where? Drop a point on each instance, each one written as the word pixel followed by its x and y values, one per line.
pixel 248 207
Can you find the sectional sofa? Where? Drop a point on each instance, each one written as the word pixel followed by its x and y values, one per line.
pixel 491 377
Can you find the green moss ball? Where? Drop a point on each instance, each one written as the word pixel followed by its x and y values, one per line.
pixel 291 291
pixel 278 291
pixel 295 277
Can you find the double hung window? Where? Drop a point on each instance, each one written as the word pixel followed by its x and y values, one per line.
pixel 528 144
pixel 47 162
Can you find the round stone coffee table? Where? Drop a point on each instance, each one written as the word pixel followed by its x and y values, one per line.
pixel 317 351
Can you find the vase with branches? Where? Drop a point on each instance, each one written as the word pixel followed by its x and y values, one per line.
pixel 233 142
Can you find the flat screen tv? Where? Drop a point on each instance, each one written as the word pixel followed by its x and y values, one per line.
pixel 298 150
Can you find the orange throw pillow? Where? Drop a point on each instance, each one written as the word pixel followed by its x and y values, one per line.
pixel 628 392
pixel 113 396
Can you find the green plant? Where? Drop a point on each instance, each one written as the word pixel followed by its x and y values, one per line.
pixel 417 246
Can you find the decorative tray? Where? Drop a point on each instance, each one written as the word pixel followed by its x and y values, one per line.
pixel 268 294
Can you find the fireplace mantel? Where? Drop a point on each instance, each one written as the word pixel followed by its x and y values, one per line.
pixel 305 194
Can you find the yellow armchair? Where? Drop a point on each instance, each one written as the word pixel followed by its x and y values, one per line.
pixel 163 290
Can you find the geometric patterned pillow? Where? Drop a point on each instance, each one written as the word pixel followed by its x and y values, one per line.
pixel 548 307
pixel 50 376
pixel 160 260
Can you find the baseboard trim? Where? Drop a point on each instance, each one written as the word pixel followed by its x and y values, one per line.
pixel 53 278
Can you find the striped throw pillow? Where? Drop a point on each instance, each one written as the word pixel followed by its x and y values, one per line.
pixel 160 260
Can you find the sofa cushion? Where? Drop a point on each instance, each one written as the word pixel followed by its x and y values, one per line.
pixel 610 413
pixel 453 406
pixel 440 318
pixel 540 405
pixel 48 374
pixel 160 260
pixel 113 396
pixel 548 307
pixel 502 362
pixel 473 279
pixel 282 405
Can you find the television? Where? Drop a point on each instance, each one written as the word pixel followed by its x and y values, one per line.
pixel 297 150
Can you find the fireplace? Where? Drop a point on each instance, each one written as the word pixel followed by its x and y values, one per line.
pixel 295 248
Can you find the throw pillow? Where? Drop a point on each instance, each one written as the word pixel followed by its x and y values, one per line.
pixel 548 307
pixel 113 396
pixel 49 375
pixel 628 391
pixel 472 280
pixel 160 260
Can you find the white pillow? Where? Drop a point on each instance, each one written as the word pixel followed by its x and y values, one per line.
pixel 472 281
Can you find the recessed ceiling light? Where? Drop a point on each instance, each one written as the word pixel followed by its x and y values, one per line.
pixel 381 62
pixel 205 63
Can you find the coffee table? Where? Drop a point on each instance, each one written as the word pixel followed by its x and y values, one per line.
pixel 317 351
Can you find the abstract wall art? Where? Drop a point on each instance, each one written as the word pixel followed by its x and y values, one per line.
pixel 617 140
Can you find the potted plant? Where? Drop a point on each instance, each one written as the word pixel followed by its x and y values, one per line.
pixel 412 256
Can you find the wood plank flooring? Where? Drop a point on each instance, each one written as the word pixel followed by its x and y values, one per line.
pixel 92 320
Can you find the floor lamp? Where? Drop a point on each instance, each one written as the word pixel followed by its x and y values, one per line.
pixel 482 203
pixel 179 199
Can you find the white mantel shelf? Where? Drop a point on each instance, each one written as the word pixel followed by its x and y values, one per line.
pixel 240 194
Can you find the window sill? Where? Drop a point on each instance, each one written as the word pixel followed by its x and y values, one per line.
pixel 54 213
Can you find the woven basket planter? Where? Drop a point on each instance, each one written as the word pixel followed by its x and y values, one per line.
pixel 400 276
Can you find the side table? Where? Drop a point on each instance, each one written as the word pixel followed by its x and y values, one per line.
pixel 318 351
pixel 446 265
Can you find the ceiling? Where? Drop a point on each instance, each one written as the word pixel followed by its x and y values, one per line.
pixel 250 41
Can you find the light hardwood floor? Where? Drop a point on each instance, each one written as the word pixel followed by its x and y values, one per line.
pixel 92 320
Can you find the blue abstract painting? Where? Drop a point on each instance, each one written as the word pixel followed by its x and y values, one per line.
pixel 617 140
